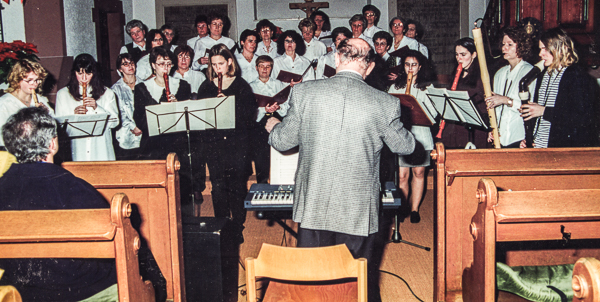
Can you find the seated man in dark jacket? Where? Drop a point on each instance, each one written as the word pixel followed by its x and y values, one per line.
pixel 35 183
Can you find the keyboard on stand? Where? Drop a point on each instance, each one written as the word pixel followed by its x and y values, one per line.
pixel 266 197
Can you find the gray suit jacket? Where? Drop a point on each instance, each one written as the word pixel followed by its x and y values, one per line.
pixel 340 124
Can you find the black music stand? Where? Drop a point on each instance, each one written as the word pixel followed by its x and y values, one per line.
pixel 84 125
pixel 456 106
pixel 210 113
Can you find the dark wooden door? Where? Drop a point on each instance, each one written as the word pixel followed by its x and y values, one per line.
pixel 110 21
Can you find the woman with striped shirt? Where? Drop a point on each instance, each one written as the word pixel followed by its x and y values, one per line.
pixel 564 102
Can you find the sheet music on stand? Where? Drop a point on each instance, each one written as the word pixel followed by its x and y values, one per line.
pixel 283 166
pixel 210 113
pixel 455 106
pixel 84 125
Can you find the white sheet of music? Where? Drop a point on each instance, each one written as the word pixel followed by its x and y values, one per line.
pixel 283 167
pixel 210 113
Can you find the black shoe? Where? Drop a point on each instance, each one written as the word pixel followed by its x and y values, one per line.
pixel 415 217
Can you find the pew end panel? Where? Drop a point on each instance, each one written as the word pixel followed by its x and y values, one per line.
pixel 456 180
pixel 90 233
pixel 153 188
pixel 513 216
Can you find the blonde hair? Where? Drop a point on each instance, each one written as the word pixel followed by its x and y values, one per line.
pixel 20 71
pixel 222 50
pixel 561 47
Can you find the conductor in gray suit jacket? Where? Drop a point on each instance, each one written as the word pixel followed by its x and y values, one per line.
pixel 340 125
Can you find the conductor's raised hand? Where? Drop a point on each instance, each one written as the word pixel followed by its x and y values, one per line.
pixel 271 122
pixel 292 83
pixel 90 102
pixel 531 110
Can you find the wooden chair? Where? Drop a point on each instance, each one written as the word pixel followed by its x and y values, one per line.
pixel 9 294
pixel 512 216
pixel 153 187
pixel 89 233
pixel 306 264
pixel 457 175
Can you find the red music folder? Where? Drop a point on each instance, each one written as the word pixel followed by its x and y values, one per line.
pixel 280 98
pixel 413 113
pixel 329 71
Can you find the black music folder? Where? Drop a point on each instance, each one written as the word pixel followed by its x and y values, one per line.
pixel 280 98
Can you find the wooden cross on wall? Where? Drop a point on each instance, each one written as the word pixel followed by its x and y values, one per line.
pixel 309 6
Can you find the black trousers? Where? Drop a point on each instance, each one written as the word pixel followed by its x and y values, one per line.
pixel 370 247
pixel 261 155
pixel 227 162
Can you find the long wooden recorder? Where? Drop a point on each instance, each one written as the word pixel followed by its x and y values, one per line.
pixel 409 78
pixel 485 78
pixel 34 97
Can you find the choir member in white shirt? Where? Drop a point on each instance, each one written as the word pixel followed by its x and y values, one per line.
pixel 291 48
pixel 323 31
pixel 25 79
pixel 184 55
pixel 217 24
pixel 155 38
pixel 267 46
pixel 169 32
pixel 314 48
pixel 137 31
pixel 339 34
pixel 128 135
pixel 358 23
pixel 397 25
pixel 247 59
pixel 516 45
pixel 371 14
pixel 423 76
pixel 267 86
pixel 201 28
pixel 99 99
pixel 414 30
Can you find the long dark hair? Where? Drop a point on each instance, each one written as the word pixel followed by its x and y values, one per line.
pixel 426 75
pixel 300 46
pixel 89 65
pixel 150 36
pixel 473 73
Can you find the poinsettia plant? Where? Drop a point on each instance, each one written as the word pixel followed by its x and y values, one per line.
pixel 10 53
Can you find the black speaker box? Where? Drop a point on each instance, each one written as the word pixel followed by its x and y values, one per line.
pixel 210 260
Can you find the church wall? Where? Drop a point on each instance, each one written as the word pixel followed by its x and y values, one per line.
pixel 13 21
pixel 145 11
pixel 80 30
pixel 128 12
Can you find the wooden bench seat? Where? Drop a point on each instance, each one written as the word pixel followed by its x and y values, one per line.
pixel 153 187
pixel 456 178
pixel 535 215
pixel 90 233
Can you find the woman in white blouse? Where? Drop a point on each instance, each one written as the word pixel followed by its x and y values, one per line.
pixel 98 99
pixel 266 47
pixel 184 55
pixel 291 48
pixel 128 135
pixel 516 45
pixel 25 79
pixel 154 38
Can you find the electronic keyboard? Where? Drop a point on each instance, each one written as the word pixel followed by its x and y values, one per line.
pixel 266 197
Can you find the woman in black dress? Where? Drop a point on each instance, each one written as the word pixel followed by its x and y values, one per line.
pixel 458 135
pixel 226 150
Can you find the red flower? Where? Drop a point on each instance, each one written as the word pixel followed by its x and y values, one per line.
pixel 11 55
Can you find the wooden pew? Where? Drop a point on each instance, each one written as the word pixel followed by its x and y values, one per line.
pixel 152 186
pixel 456 178
pixel 90 233
pixel 536 215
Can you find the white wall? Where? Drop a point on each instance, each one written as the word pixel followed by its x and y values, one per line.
pixel 128 12
pixel 80 30
pixel 13 21
pixel 145 11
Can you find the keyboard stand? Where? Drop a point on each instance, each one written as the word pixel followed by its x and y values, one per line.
pixel 279 221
